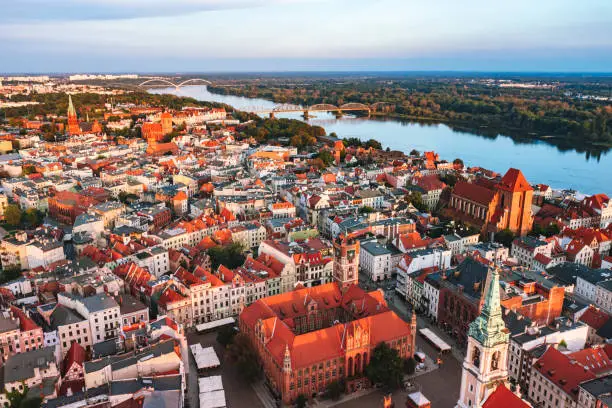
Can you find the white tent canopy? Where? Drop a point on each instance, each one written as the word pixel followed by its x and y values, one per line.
pixel 204 357
pixel 214 324
pixel 212 383
pixel 213 399
pixel 437 341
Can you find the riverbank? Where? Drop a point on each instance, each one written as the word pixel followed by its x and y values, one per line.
pixel 554 164
pixel 479 127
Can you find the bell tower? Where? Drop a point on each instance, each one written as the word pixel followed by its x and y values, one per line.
pixel 346 261
pixel 485 364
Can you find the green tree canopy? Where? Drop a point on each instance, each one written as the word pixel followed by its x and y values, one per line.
pixel 32 218
pixel 243 355
pixel 230 256
pixel 386 367
pixel 12 215
pixel 326 157
pixel 505 237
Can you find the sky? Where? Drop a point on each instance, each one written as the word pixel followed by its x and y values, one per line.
pixel 304 35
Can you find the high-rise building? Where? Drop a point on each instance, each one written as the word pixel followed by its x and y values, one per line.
pixel 485 364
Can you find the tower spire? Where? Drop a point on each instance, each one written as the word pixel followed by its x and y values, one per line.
pixel 71 110
pixel 489 328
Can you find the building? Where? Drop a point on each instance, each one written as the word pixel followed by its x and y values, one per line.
pixel 346 261
pixel 485 364
pixel 494 207
pixel 73 122
pixel 312 336
pixel 529 344
pixel 132 310
pixel 375 260
pixel 102 312
pixel 596 393
pixel 36 369
pixel 526 249
pixel 555 380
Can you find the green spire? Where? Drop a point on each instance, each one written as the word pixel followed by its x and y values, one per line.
pixel 71 110
pixel 489 328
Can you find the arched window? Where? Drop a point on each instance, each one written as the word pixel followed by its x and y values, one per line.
pixel 495 360
pixel 476 356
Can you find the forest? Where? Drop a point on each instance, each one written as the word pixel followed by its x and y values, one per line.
pixel 556 111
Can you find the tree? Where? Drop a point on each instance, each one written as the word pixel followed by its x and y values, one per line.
pixel 374 144
pixel 225 335
pixel 458 162
pixel 386 367
pixel 416 199
pixel 334 390
pixel 410 365
pixel 366 210
pixel 243 355
pixel 32 218
pixel 230 256
pixel 300 401
pixel 505 237
pixel 16 398
pixel 28 169
pixel 10 273
pixel 415 152
pixel 326 157
pixel 12 215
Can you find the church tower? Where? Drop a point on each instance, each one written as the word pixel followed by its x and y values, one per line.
pixel 485 364
pixel 346 261
pixel 73 122
pixel 166 123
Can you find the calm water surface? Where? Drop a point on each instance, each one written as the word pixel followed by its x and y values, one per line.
pixel 540 162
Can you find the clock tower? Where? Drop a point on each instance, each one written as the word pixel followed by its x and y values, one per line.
pixel 485 364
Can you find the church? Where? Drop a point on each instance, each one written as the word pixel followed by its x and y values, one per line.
pixel 484 377
pixel 75 127
pixel 494 206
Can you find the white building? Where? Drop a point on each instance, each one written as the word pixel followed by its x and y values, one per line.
pixel 458 244
pixel 416 261
pixel 101 310
pixel 375 260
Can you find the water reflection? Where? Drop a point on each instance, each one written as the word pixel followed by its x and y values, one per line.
pixel 550 161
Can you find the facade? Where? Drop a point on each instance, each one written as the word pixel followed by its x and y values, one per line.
pixel 312 336
pixel 101 311
pixel 346 261
pixel 504 205
pixel 555 379
pixel 375 260
pixel 485 364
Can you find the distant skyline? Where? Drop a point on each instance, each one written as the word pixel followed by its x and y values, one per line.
pixel 39 36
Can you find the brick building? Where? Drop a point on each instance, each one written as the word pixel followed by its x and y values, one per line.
pixel 495 205
pixel 310 337
pixel 65 206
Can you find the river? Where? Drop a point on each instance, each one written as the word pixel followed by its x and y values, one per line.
pixel 540 161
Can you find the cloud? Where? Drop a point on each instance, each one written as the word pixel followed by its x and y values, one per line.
pixel 67 10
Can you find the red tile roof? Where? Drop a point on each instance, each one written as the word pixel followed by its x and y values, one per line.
pixel 502 397
pixel 564 372
pixel 514 181
pixel 474 192
pixel 76 355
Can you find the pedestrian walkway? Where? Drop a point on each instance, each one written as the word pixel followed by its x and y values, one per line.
pixel 345 398
pixel 267 400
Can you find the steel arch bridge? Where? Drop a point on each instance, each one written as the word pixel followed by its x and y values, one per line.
pixel 321 107
pixel 167 82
